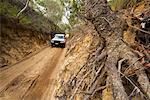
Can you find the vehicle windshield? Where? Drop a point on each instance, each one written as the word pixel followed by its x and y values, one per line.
pixel 59 36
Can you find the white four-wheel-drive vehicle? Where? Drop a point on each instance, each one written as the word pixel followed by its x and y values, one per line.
pixel 58 40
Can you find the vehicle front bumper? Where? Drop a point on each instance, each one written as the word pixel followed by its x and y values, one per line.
pixel 57 44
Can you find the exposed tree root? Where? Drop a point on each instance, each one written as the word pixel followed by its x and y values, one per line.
pixel 144 83
pixel 75 91
pixel 117 70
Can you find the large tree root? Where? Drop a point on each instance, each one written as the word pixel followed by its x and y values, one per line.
pixel 123 51
pixel 91 78
pixel 92 87
pixel 144 82
pixel 137 68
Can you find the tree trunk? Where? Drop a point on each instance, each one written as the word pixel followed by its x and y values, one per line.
pixel 110 27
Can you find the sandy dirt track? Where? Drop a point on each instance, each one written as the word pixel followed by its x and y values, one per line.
pixel 33 78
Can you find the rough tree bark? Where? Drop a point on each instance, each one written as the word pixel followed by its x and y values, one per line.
pixel 115 55
pixel 109 25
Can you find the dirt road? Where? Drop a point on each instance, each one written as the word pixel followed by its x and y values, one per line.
pixel 33 78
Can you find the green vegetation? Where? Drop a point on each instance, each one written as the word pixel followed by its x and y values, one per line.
pixel 25 20
pixel 40 2
pixel 120 4
pixel 11 11
pixel 73 7
pixel 51 9
pixel 62 12
pixel 8 9
pixel 55 10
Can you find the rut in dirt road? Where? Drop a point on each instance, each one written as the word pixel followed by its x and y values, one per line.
pixel 31 78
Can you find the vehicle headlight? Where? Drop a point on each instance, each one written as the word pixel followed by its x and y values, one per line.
pixel 52 41
pixel 62 42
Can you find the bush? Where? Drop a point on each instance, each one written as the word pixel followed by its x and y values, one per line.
pixel 120 4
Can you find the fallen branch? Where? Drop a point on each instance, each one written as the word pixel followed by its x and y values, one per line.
pixel 23 8
pixel 138 89
pixel 100 88
pixel 135 71
pixel 129 80
pixel 132 93
pixel 130 66
pixel 119 64
pixel 94 84
pixel 99 80
pixel 138 28
pixel 89 93
pixel 78 72
pixel 97 73
pixel 72 97
pixel 106 21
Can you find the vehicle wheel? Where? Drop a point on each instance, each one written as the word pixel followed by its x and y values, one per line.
pixel 52 45
pixel 63 46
